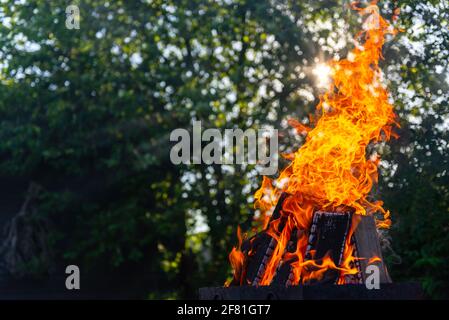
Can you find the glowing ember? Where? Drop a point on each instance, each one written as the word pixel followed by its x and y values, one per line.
pixel 332 171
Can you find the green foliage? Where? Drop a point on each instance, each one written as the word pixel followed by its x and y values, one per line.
pixel 87 114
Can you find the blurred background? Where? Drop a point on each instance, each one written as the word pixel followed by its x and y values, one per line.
pixel 86 114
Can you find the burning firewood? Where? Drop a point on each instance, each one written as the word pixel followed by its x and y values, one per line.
pixel 328 236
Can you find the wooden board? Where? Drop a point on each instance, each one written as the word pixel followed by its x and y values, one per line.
pixel 368 245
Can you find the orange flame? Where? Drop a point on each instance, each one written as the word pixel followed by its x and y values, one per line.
pixel 374 260
pixel 332 170
pixel 237 260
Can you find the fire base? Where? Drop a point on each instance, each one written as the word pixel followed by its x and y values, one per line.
pixel 387 291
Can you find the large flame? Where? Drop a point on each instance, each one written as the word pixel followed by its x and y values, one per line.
pixel 332 170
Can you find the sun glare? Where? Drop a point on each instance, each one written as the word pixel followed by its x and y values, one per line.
pixel 322 72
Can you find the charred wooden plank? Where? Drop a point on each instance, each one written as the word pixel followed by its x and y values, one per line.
pixel 284 275
pixel 259 248
pixel 268 252
pixel 327 237
pixel 259 251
